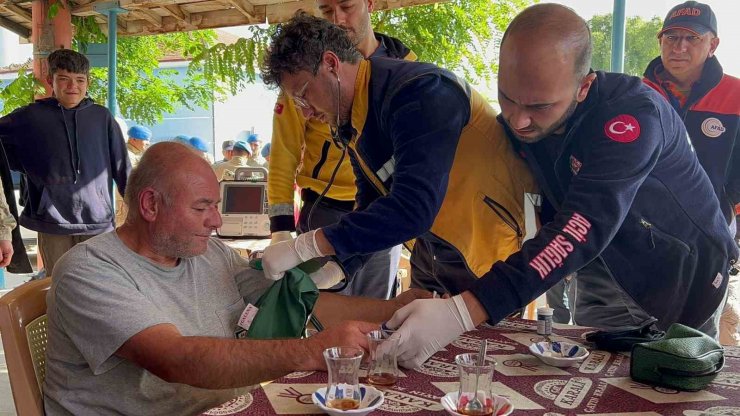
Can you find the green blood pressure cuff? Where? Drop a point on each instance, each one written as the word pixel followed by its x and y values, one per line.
pixel 286 306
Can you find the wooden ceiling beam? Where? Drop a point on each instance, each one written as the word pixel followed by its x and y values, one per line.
pixel 15 27
pixel 149 16
pixel 143 20
pixel 244 7
pixel 17 11
pixel 178 13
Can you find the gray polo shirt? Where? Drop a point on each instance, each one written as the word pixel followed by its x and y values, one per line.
pixel 103 293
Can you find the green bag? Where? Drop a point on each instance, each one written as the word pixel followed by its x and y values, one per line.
pixel 285 307
pixel 686 359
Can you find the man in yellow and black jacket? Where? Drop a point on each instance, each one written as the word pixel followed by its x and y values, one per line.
pixel 432 163
pixel 302 154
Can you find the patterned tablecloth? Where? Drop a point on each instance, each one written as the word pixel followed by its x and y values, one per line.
pixel 600 385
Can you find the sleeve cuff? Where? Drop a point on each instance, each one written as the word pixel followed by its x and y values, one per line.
pixel 497 296
pixel 282 223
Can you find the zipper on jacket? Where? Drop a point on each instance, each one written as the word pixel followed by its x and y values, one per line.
pixel 505 216
pixel 322 160
pixel 653 229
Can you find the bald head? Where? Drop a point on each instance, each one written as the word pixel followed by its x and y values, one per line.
pixel 166 167
pixel 552 34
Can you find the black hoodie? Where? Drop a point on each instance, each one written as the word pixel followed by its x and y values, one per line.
pixel 69 178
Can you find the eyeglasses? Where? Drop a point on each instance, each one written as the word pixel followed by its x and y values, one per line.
pixel 299 98
pixel 671 39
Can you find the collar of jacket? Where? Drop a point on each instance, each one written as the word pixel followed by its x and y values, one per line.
pixel 360 100
pixel 395 48
pixel 711 75
pixel 52 101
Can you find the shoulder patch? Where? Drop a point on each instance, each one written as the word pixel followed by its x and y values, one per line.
pixel 279 108
pixel 623 128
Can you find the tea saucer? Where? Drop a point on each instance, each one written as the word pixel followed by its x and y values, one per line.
pixel 370 399
pixel 501 405
pixel 558 354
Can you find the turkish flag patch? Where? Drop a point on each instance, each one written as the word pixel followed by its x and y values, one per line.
pixel 278 108
pixel 623 128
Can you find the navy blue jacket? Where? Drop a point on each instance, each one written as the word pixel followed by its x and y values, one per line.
pixel 628 189
pixel 712 118
pixel 69 179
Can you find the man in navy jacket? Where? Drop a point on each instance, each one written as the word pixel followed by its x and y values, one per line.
pixel 69 148
pixel 613 158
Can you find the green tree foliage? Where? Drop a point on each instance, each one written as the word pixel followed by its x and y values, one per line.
pixel 21 91
pixel 458 35
pixel 144 92
pixel 640 47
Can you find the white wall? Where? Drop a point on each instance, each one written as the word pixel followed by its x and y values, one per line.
pixel 250 109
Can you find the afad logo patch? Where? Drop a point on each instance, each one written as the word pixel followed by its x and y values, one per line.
pixel 279 108
pixel 712 127
pixel 623 128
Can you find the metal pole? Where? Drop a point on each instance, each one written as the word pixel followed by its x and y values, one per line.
pixel 618 34
pixel 112 60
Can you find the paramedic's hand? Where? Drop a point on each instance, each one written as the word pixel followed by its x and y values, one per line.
pixel 424 326
pixel 328 275
pixel 284 256
pixel 6 252
pixel 280 236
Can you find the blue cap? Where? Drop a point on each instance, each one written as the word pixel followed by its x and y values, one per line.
pixel 140 132
pixel 198 144
pixel 266 150
pixel 183 139
pixel 242 145
pixel 253 138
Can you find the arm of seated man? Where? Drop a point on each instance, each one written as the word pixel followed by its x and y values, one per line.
pixel 332 308
pixel 216 363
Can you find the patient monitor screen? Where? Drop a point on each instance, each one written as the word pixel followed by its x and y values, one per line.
pixel 242 199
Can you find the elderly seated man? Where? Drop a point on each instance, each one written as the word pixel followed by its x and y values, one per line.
pixel 142 319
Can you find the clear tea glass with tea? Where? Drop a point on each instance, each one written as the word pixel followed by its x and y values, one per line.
pixel 383 365
pixel 343 389
pixel 474 397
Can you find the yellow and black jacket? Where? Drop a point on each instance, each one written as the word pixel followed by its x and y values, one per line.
pixel 302 153
pixel 430 157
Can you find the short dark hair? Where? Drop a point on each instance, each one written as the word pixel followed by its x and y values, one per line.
pixel 299 45
pixel 68 60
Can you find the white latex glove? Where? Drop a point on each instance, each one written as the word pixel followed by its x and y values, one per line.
pixel 284 256
pixel 427 325
pixel 280 236
pixel 328 275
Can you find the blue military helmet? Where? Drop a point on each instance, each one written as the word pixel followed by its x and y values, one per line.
pixel 266 150
pixel 242 145
pixel 253 138
pixel 198 144
pixel 182 139
pixel 140 133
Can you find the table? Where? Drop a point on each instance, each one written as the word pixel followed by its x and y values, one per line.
pixel 600 385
